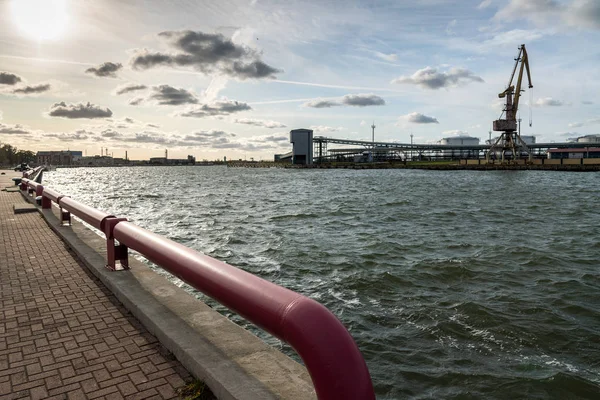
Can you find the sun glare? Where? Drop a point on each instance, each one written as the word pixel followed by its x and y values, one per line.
pixel 40 19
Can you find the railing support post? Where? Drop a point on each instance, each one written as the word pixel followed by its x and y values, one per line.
pixel 39 190
pixel 65 216
pixel 114 252
pixel 23 185
pixel 46 203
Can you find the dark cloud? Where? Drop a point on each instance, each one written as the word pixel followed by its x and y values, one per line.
pixel 170 96
pixel 354 100
pixel 430 78
pixel 418 118
pixel 107 69
pixel 587 102
pixel 153 126
pixel 224 107
pixel 362 100
pixel 207 53
pixel 319 103
pixel 6 78
pixel 13 130
pixel 252 70
pixel 136 101
pixel 67 137
pixel 260 122
pixel 110 133
pixel 272 139
pixel 42 87
pixel 129 87
pixel 73 111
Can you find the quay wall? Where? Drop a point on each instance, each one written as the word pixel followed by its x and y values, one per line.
pixel 233 362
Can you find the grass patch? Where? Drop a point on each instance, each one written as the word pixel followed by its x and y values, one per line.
pixel 195 390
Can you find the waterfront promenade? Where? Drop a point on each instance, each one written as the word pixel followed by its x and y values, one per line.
pixel 62 333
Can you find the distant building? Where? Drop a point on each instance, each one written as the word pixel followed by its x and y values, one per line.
pixel 587 152
pixel 302 150
pixel 190 160
pixel 96 161
pixel 589 139
pixel 64 157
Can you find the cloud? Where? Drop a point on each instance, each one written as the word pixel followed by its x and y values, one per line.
pixel 387 57
pixel 129 87
pixel 323 128
pixel 223 107
pixel 205 52
pixel 13 130
pixel 484 4
pixel 591 121
pixel 33 89
pixel 362 100
pixel 430 78
pixel 450 27
pixel 67 137
pixel 587 102
pixel 136 101
pixel 260 122
pixel 511 37
pixel 577 13
pixel 73 111
pixel 6 78
pixel 418 118
pixel 354 100
pixel 171 96
pixel 110 133
pixel 320 103
pixel 107 69
pixel 455 132
pixel 548 102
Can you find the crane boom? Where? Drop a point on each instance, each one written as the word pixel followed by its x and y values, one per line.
pixel 512 94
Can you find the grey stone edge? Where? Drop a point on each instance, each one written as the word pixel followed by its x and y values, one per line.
pixel 233 362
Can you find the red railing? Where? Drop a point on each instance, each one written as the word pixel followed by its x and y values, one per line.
pixel 331 356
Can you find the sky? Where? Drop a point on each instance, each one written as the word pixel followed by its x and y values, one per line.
pixel 230 79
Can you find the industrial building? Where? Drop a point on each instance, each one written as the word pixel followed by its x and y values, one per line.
pixel 63 157
pixel 302 150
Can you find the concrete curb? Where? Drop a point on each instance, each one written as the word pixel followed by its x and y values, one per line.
pixel 234 363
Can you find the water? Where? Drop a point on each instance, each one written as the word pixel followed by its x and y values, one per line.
pixel 455 284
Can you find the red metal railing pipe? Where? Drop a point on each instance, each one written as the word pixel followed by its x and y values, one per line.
pixel 92 216
pixel 52 194
pixel 333 360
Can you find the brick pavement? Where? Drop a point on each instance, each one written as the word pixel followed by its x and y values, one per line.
pixel 63 335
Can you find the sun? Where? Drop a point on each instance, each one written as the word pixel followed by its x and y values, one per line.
pixel 40 19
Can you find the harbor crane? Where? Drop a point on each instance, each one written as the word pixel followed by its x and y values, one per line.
pixel 510 138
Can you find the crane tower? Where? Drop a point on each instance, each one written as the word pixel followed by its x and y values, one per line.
pixel 510 138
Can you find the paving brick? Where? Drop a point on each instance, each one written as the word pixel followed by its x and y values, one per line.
pixel 62 333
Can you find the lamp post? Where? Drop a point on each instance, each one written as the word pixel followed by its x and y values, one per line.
pixel 411 146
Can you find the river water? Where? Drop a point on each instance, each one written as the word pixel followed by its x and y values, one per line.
pixel 455 284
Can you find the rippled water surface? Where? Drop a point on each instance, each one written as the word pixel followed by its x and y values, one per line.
pixel 455 284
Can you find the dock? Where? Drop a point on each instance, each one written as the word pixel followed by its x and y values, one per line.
pixel 63 334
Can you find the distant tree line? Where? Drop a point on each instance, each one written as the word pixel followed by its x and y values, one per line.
pixel 10 155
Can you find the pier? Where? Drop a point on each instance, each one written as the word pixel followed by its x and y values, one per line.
pixel 62 332
pixel 59 330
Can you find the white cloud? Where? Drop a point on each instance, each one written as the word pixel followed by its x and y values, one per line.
pixel 484 4
pixel 549 102
pixel 418 118
pixel 430 78
pixel 325 129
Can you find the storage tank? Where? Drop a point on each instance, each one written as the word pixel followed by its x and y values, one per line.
pixel 460 141
pixel 589 139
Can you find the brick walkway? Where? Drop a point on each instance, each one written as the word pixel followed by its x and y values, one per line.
pixel 63 335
